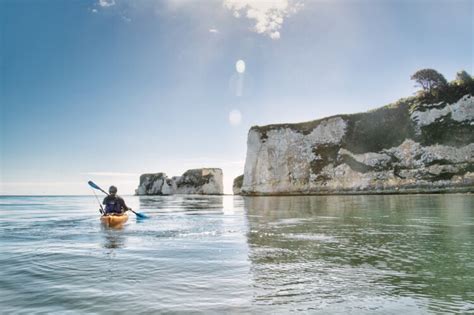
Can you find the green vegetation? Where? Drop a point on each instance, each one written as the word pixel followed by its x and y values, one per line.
pixel 238 181
pixel 429 79
pixel 463 78
pixel 446 130
pixel 446 92
pixel 379 129
pixel 194 177
pixel 327 153
pixel 390 125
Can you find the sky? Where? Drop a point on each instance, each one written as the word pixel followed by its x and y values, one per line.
pixel 110 89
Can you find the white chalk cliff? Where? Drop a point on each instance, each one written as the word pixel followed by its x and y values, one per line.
pixel 404 147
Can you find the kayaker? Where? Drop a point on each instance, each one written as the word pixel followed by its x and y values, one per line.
pixel 114 204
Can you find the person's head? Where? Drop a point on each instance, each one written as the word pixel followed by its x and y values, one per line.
pixel 113 190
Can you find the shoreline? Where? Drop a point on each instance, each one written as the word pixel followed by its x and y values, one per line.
pixel 414 191
pixel 454 192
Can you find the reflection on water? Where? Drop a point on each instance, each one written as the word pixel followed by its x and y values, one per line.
pixel 188 204
pixel 226 254
pixel 113 236
pixel 363 253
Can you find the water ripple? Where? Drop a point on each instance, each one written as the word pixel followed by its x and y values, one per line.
pixel 214 254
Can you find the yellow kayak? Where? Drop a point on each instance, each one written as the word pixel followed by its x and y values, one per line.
pixel 114 220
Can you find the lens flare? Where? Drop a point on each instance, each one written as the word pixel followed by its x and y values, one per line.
pixel 235 117
pixel 240 66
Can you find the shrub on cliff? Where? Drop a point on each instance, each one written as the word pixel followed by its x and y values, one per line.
pixel 437 89
pixel 463 84
pixel 463 78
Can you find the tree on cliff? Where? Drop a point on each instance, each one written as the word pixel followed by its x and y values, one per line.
pixel 429 80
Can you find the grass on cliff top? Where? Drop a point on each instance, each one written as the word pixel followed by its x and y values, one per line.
pixel 308 126
pixel 388 126
pixel 450 94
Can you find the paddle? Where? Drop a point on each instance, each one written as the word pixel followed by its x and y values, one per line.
pixel 95 186
pixel 101 210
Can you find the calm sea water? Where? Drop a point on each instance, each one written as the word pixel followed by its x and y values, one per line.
pixel 335 254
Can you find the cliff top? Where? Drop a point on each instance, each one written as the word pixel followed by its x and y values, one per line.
pixel 388 126
pixel 450 93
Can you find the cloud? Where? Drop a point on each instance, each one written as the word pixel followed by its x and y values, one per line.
pixel 94 10
pixel 126 19
pixel 275 35
pixel 106 3
pixel 213 30
pixel 268 14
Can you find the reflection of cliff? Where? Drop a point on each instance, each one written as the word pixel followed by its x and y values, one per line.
pixel 179 203
pixel 347 248
pixel 409 146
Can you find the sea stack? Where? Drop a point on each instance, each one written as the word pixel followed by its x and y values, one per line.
pixel 201 181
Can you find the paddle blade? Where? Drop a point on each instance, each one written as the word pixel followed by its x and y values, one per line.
pixel 93 185
pixel 141 215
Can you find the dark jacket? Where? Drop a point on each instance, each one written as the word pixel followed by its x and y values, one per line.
pixel 114 204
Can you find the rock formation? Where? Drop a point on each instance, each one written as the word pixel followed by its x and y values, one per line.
pixel 410 146
pixel 201 181
pixel 237 186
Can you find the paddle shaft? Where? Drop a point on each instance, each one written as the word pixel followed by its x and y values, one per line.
pixel 103 191
pixel 100 204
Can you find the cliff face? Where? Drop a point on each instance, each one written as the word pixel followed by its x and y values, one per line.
pixel 403 147
pixel 201 181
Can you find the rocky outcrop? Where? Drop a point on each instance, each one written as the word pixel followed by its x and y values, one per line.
pixel 237 185
pixel 409 146
pixel 201 181
pixel 155 184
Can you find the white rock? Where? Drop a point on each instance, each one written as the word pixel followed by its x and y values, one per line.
pixel 205 181
pixel 462 110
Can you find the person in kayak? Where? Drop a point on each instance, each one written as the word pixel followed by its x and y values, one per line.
pixel 114 205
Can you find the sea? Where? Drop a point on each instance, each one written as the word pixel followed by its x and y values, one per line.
pixel 373 254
